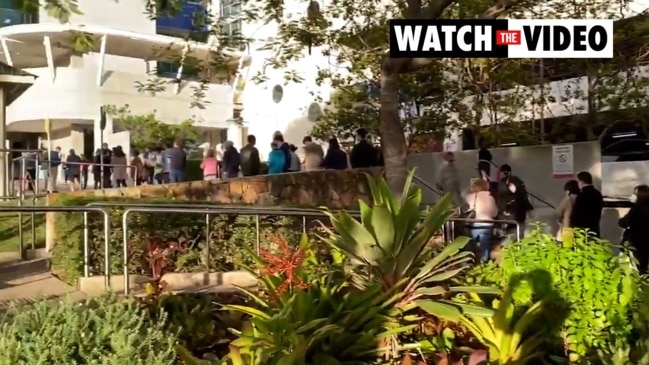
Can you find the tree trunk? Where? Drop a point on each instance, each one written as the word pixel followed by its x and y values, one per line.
pixel 393 140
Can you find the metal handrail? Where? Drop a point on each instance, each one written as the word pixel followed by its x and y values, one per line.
pixel 529 192
pixel 451 223
pixel 55 209
pixel 209 210
pixel 427 185
pixel 227 209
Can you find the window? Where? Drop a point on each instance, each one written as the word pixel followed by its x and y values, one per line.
pixel 231 27
pixel 230 8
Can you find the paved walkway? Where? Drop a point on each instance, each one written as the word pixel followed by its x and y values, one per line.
pixel 23 282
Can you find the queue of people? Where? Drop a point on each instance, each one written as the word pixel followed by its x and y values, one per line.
pixel 109 167
pixel 505 198
pixel 283 157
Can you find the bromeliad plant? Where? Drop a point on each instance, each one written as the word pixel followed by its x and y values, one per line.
pixel 503 334
pixel 305 317
pixel 390 246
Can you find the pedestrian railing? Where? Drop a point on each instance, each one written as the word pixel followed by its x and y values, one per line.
pixel 211 210
pixel 81 209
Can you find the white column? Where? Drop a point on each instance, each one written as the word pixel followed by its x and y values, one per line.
pixel 4 156
pixel 235 134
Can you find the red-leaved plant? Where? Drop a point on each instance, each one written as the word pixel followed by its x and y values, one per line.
pixel 157 257
pixel 284 262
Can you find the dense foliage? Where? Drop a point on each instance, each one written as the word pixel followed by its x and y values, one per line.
pixel 100 331
pixel 229 235
pixel 589 289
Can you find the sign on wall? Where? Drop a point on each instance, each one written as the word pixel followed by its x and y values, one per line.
pixel 563 161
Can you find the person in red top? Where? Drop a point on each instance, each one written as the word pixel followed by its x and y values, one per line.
pixel 85 164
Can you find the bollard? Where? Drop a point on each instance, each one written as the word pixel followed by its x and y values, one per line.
pixel 207 243
pixel 86 246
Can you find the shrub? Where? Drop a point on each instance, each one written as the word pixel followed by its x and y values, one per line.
pixel 201 327
pixel 589 289
pixel 100 331
pixel 228 235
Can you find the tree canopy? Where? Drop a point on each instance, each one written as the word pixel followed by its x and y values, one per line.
pixel 428 96
pixel 147 131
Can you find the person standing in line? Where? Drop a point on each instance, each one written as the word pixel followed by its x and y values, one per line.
pixel 231 161
pixel 482 206
pixel 160 171
pixel 119 163
pixel 276 160
pixel 336 158
pixel 448 179
pixel 278 138
pixel 149 161
pixel 564 210
pixel 363 153
pixel 379 156
pixel 587 211
pixel 505 195
pixel 250 161
pixel 313 154
pixel 137 169
pixel 485 159
pixel 218 153
pixel 44 169
pixel 30 169
pixel 54 163
pixel 518 206
pixel 210 166
pixel 73 168
pixel 296 165
pixel 636 226
pixel 177 159
pixel 85 164
pixel 96 169
pixel 107 170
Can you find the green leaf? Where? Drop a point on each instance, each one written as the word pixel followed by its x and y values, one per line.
pixel 439 310
pixel 254 312
pixel 384 230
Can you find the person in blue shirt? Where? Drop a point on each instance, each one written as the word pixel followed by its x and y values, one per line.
pixel 276 159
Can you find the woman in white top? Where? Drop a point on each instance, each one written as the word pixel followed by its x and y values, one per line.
pixel 565 208
pixel 482 206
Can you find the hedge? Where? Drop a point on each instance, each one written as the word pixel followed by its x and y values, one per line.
pixel 229 234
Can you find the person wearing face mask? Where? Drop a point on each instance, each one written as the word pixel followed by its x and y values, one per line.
pixel 587 210
pixel 518 206
pixel 448 178
pixel 564 209
pixel 636 226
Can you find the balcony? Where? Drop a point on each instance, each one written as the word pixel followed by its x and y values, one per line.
pixel 10 17
pixel 193 18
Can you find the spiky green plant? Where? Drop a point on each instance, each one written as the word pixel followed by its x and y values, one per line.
pixel 389 246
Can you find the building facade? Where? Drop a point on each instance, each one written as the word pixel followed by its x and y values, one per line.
pixel 128 48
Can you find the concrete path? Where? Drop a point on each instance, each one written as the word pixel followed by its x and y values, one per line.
pixel 23 282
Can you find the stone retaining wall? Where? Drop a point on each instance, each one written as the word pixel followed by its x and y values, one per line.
pixel 337 189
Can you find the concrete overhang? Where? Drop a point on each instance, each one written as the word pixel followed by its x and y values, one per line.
pixel 22 45
pixel 14 81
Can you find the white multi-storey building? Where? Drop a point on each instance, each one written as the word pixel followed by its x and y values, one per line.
pixel 71 87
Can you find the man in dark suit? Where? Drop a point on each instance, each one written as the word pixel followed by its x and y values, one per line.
pixel 587 211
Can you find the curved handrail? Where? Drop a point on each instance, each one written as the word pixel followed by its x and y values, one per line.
pixel 534 196
pixel 427 185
